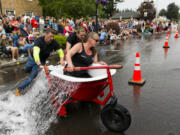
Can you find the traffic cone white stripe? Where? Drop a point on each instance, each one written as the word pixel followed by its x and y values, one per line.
pixel 137 68
pixel 137 60
pixel 137 64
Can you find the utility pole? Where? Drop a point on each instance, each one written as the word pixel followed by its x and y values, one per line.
pixel 0 7
pixel 97 23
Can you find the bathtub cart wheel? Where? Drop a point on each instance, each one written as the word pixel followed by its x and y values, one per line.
pixel 115 117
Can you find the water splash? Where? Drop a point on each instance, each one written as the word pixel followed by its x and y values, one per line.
pixel 32 113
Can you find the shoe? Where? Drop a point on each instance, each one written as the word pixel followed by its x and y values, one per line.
pixel 14 60
pixel 22 57
pixel 18 93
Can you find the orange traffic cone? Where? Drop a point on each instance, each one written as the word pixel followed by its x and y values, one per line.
pixel 137 72
pixel 168 31
pixel 176 35
pixel 166 43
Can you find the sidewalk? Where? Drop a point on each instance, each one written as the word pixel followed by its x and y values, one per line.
pixel 4 63
pixel 8 63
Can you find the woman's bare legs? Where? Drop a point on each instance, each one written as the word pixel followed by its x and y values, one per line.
pixel 13 52
pixel 17 52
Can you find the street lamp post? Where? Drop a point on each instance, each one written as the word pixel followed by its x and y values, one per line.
pixel 96 17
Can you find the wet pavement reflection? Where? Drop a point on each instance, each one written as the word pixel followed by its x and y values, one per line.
pixel 165 53
pixel 136 94
pixel 154 107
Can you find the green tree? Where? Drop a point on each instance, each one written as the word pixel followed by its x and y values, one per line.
pixel 110 9
pixel 173 11
pixel 163 12
pixel 147 11
pixel 68 8
pixel 77 8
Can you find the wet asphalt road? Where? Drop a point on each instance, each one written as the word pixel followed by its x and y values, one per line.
pixel 154 107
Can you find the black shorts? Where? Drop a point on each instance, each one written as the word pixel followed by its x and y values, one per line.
pixel 7 51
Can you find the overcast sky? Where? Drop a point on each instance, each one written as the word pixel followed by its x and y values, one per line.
pixel 134 4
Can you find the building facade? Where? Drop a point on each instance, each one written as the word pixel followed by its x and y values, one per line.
pixel 20 7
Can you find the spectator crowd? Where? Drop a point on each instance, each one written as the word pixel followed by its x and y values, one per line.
pixel 18 33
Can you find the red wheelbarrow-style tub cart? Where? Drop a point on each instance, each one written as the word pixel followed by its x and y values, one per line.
pixel 114 116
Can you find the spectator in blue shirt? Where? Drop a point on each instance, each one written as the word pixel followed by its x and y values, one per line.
pixel 102 36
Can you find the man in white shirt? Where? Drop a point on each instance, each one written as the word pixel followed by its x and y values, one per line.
pixel 41 22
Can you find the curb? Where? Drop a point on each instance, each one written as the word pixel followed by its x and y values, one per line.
pixel 17 63
pixel 11 63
